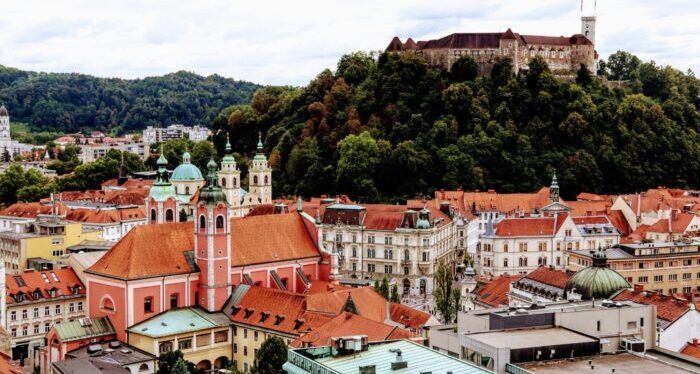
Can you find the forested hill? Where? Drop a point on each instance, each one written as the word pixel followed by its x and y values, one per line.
pixel 389 128
pixel 63 102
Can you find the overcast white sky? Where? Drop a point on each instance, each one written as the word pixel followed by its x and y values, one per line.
pixel 289 42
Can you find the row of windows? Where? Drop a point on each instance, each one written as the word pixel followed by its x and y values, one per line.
pixel 36 329
pixel 203 340
pixel 371 239
pixel 47 311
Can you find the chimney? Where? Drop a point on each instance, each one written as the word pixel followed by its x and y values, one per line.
pixel 400 363
pixel 638 288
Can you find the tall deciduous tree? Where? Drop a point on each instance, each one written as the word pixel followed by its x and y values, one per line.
pixel 271 356
pixel 446 296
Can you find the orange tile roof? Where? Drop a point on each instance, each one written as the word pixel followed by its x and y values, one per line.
pixel 587 196
pixel 588 208
pixel 491 200
pixel 148 251
pixel 97 216
pixel 407 316
pixel 668 308
pixel 678 223
pixel 276 310
pixel 346 324
pixel 495 292
pixel 591 220
pixel 528 226
pixel 27 210
pixel 43 281
pixel 620 222
pixel 7 366
pixel 691 349
pixel 270 238
pixel 155 250
pixel 549 276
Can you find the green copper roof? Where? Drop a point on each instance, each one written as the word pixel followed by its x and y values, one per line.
pixel 597 281
pixel 228 157
pixel 162 192
pixel 186 171
pixel 212 192
pixel 179 321
pixel 83 328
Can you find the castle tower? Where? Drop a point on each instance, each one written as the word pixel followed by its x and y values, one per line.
pixel 212 241
pixel 588 27
pixel 554 189
pixel 230 180
pixel 260 177
pixel 162 204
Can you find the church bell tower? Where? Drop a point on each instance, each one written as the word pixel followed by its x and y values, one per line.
pixel 588 27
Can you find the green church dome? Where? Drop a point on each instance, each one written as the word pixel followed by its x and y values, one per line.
pixel 186 171
pixel 596 281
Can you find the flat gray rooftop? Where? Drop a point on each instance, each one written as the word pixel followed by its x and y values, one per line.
pixel 515 339
pixel 623 363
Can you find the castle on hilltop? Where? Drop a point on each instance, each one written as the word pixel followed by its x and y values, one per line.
pixel 564 54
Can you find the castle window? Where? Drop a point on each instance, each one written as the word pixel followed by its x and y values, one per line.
pixel 255 179
pixel 202 222
pixel 169 215
pixel 220 222
pixel 153 215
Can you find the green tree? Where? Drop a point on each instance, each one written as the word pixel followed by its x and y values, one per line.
pixel 463 69
pixel 384 287
pixel 359 158
pixel 446 297
pixel 395 298
pixel 271 356
pixel 167 361
pixel 180 367
pixel 623 66
pixel 355 67
pixel 202 152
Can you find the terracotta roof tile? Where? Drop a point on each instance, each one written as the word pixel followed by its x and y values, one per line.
pixel 549 276
pixel 31 281
pixel 668 308
pixel 407 316
pixel 270 238
pixel 691 349
pixel 7 366
pixel 26 210
pixel 526 227
pixel 147 251
pixel 346 324
pixel 495 292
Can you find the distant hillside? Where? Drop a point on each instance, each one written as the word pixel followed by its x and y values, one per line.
pixel 72 102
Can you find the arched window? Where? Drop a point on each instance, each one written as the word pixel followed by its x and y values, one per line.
pixel 220 222
pixel 223 182
pixel 154 215
pixel 187 190
pixel 234 182
pixel 169 215
pixel 255 179
pixel 266 179
pixel 202 222
pixel 143 367
pixel 107 305
pixel 406 255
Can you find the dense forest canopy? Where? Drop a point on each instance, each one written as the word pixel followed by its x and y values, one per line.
pixel 388 128
pixel 61 102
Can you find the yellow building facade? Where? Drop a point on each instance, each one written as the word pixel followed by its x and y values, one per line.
pixel 47 239
pixel 665 267
pixel 204 338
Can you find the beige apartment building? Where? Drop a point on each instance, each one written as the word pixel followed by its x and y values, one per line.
pixel 665 267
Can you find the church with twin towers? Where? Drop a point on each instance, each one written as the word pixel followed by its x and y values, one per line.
pixel 175 197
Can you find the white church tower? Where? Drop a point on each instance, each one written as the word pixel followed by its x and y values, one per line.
pixel 588 27
pixel 230 181
pixel 260 177
pixel 5 139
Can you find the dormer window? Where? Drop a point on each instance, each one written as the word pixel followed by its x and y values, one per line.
pixel 36 295
pixel 263 316
pixel 248 312
pixel 298 322
pixel 279 318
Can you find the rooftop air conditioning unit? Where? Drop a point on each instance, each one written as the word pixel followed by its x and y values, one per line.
pixel 633 345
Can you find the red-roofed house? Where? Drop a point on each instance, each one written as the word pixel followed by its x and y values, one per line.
pixel 34 301
pixel 520 245
pixel 313 319
pixel 677 226
pixel 493 293
pixel 678 319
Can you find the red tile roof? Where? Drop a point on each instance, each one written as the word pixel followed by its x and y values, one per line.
pixel 691 349
pixel 668 308
pixel 544 226
pixel 28 210
pixel 495 292
pixel 155 250
pixel 270 238
pixel 346 324
pixel 677 223
pixel 149 251
pixel 30 281
pixel 98 216
pixel 591 220
pixel 276 310
pixel 407 316
pixel 464 201
pixel 620 222
pixel 550 276
pixel 7 366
